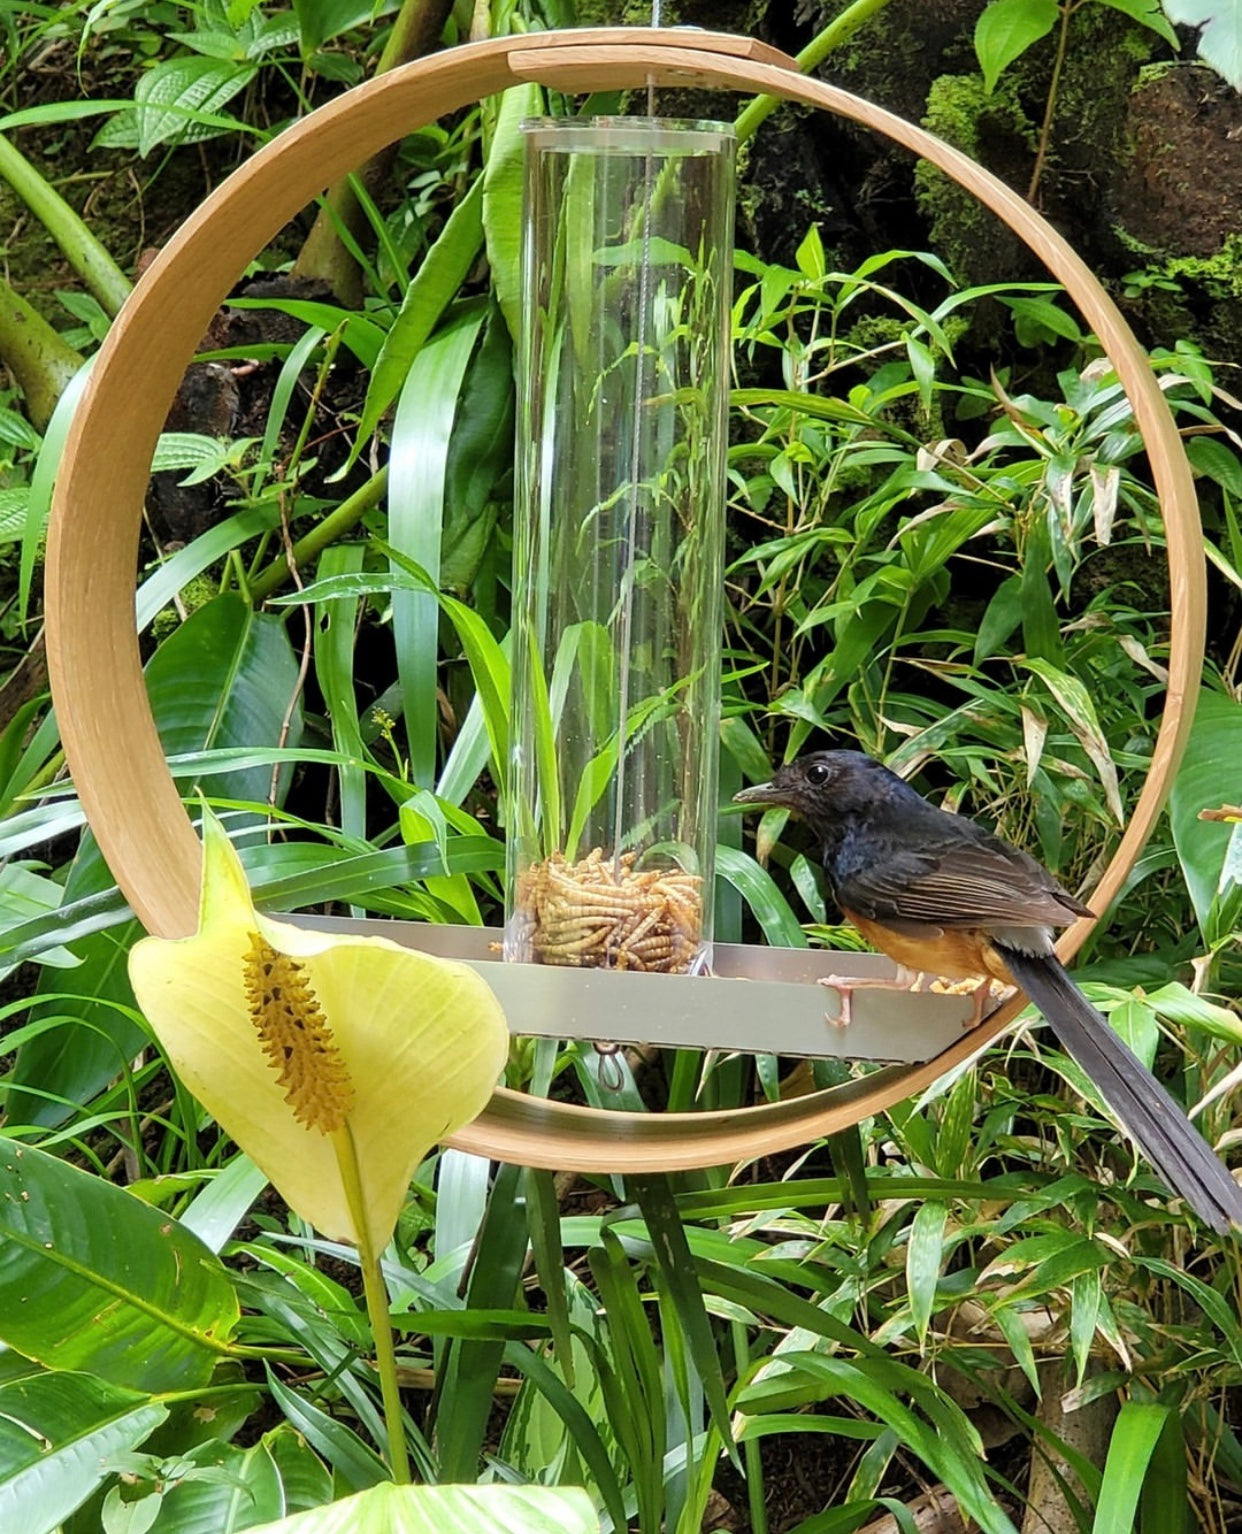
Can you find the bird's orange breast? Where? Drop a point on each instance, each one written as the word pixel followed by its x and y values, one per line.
pixel 956 953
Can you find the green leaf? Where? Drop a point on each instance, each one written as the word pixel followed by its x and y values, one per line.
pixel 416 512
pixel 227 677
pixel 924 1260
pixel 58 1433
pixel 355 1465
pixel 680 1283
pixel 502 198
pixel 1148 14
pixel 1006 29
pixel 1083 720
pixel 390 1509
pixel 1146 1459
pixel 1219 23
pixel 229 1489
pixel 321 20
pixel 93 1278
pixel 469 1375
pixel 758 889
pixel 175 98
pixel 443 271
pixel 1210 851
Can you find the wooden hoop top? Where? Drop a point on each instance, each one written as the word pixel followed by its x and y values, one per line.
pixel 109 735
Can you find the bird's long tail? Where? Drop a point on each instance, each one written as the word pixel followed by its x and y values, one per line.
pixel 1147 1113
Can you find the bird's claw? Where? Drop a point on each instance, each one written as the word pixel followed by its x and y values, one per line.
pixel 984 994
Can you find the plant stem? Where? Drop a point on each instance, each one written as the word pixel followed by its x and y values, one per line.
pixel 377 1305
pixel 40 361
pixel 93 264
pixel 1050 106
pixel 415 32
pixel 821 45
pixel 335 525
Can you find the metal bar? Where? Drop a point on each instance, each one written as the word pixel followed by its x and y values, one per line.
pixel 757 1001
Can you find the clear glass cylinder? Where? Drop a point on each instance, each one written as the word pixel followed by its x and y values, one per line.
pixel 627 249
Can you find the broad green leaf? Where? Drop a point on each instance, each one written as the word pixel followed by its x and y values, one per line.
pixel 271 1479
pixel 69 1063
pixel 92 1278
pixel 480 455
pixel 759 890
pixel 1210 851
pixel 1006 29
pixel 497 1509
pixel 1219 24
pixel 58 1433
pixel 321 20
pixel 1148 14
pixel 396 1049
pixel 228 676
pixel 177 99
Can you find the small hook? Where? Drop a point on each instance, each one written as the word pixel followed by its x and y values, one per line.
pixel 611 1076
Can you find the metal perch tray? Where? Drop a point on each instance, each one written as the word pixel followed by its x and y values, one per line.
pixel 781 1010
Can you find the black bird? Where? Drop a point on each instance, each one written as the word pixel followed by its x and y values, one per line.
pixel 943 896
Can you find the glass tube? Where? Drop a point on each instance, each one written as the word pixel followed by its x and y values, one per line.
pixel 618 546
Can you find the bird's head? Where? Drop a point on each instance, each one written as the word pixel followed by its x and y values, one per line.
pixel 825 787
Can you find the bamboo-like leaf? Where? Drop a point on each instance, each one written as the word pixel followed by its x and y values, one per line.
pixel 334 670
pixel 758 889
pixel 355 1465
pixel 1210 851
pixel 488 662
pixel 92 1278
pixel 544 1215
pixel 502 197
pixel 442 272
pixel 680 1282
pixel 1147 1461
pixel 416 512
pixel 469 1377
pixel 924 1260
pixel 1083 720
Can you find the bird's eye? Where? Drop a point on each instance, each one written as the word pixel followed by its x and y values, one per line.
pixel 817 775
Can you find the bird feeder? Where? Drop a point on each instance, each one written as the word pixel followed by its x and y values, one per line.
pixel 627 266
pixel 618 559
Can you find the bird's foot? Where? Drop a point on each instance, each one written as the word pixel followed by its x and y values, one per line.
pixel 986 995
pixel 845 986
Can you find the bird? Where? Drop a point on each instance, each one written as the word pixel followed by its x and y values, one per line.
pixel 943 896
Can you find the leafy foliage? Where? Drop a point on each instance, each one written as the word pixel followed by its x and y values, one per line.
pixel 945 546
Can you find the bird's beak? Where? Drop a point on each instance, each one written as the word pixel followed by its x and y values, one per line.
pixel 761 793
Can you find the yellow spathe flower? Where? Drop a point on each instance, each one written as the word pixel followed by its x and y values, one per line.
pixel 335 1062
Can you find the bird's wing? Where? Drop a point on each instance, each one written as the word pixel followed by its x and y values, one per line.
pixel 963 878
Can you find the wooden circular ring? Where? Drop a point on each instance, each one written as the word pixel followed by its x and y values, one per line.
pixel 109 735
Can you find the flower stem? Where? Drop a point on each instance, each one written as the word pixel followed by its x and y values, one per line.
pixel 838 31
pixel 377 1305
